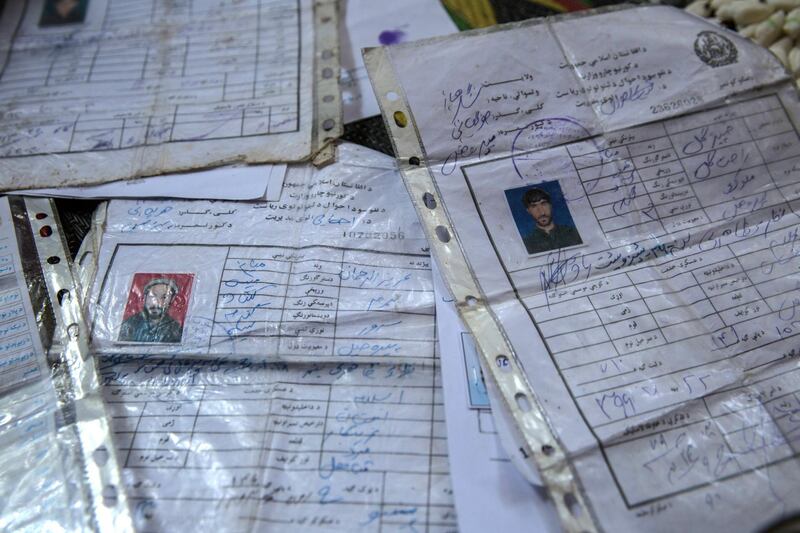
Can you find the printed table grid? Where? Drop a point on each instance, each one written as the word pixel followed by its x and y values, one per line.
pixel 243 433
pixel 210 80
pixel 667 176
pixel 318 305
pixel 18 359
pixel 729 302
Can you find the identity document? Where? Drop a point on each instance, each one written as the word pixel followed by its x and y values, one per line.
pixel 613 200
pixel 272 366
pixel 102 90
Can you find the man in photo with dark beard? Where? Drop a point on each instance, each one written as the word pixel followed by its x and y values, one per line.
pixel 547 235
pixel 153 323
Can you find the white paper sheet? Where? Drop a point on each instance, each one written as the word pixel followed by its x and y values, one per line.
pixel 366 23
pixel 250 438
pixel 333 270
pixel 653 312
pixel 482 474
pixel 251 446
pixel 113 90
pixel 259 182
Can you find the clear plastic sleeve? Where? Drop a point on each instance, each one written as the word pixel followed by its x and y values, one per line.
pixel 58 467
pixel 301 390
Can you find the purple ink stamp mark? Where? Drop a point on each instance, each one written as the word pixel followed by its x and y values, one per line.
pixel 544 133
pixel 387 37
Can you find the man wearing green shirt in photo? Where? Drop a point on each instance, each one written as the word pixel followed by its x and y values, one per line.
pixel 153 323
pixel 547 235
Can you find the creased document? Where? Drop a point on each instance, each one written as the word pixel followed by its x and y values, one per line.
pixel 22 357
pixel 613 201
pixel 252 182
pixel 314 402
pixel 249 446
pixel 97 91
pixel 334 270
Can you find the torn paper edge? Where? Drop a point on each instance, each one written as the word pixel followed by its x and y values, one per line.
pixel 325 125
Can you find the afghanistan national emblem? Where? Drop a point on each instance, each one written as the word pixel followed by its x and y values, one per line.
pixel 715 50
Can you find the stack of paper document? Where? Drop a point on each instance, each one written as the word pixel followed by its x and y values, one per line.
pixel 567 304
pixel 268 363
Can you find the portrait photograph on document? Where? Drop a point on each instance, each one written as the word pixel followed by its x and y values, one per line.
pixel 60 12
pixel 156 307
pixel 532 206
pixel 542 217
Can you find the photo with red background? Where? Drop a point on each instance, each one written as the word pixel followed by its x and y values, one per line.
pixel 180 302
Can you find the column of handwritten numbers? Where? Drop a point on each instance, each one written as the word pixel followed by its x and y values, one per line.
pixel 308 321
pixel 385 306
pixel 250 303
pixel 385 449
